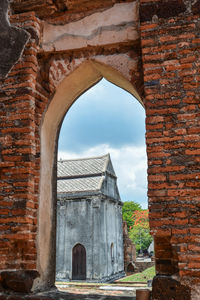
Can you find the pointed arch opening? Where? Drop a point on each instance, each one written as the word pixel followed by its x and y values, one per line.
pixel 78 262
pixel 80 80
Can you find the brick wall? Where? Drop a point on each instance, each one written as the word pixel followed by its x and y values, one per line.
pixel 171 67
pixel 171 64
pixel 18 201
pixel 129 250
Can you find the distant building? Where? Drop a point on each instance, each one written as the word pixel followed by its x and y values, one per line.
pixel 89 221
pixel 151 248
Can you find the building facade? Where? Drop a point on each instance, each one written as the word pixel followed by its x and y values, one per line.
pixel 89 221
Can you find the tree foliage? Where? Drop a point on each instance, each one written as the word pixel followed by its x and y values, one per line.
pixel 139 232
pixel 138 224
pixel 140 237
pixel 141 218
pixel 129 207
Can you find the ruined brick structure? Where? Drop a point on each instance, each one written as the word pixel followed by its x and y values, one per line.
pixel 129 252
pixel 149 48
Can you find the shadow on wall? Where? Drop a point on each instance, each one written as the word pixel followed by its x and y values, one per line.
pixel 13 41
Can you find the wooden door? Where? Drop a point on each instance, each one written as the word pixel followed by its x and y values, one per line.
pixel 79 262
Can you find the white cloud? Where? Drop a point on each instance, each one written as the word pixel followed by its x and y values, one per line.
pixel 130 167
pixel 96 90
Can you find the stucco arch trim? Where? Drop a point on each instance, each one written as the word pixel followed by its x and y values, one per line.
pixel 75 84
pixel 79 243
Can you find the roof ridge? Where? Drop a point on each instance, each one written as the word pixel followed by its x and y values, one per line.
pixel 84 158
pixel 106 162
pixel 88 175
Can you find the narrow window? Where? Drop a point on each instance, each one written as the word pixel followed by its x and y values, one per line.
pixel 112 252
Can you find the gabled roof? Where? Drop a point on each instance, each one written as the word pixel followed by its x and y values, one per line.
pixel 84 167
pixel 83 175
pixel 85 184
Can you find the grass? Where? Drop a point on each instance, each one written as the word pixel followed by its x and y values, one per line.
pixel 143 276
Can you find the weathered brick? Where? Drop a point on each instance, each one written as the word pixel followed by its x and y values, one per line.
pixel 171 67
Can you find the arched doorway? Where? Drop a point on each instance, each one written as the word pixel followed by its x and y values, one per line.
pixel 78 262
pixel 130 269
pixel 82 78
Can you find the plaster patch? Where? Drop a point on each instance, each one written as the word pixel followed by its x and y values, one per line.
pixel 116 24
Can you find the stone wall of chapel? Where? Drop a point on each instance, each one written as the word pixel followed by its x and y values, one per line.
pixel 96 223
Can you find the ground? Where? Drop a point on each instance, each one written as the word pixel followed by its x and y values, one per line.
pixel 125 287
pixel 147 274
pixel 115 289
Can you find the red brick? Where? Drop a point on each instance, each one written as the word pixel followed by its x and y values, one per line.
pixel 179 231
pixel 166 169
pixel 192 152
pixel 193 265
pixel 168 38
pixel 156 177
pixel 148 42
pixel 195 230
pixel 154 119
pixel 194 248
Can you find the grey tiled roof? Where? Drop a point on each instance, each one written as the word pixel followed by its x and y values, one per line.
pixel 81 175
pixel 79 184
pixel 84 166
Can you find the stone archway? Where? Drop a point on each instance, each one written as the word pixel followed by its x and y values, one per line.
pixel 164 44
pixel 85 76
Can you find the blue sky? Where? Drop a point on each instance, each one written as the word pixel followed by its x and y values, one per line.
pixel 108 119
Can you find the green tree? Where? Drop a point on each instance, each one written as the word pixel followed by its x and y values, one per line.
pixel 128 208
pixel 139 232
pixel 140 237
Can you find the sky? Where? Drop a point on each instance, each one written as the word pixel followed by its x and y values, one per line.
pixel 107 119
